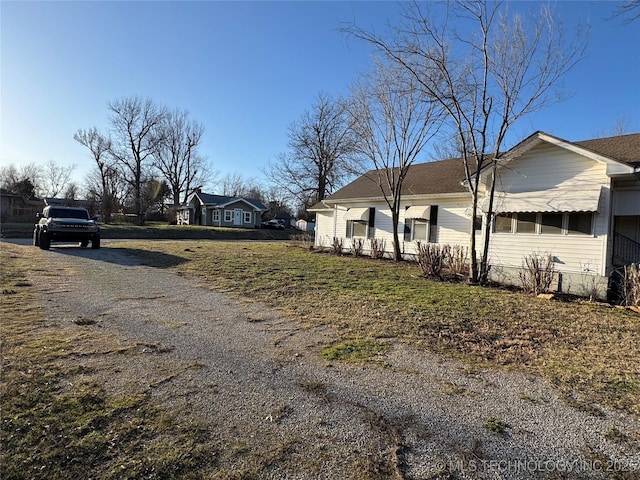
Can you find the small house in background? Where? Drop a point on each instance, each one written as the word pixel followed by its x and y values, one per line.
pixel 305 225
pixel 16 208
pixel 220 211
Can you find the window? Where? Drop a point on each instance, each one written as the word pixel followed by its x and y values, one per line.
pixel 247 217
pixel 503 223
pixel 421 229
pixel 526 223
pixel 356 228
pixel 228 215
pixel 551 223
pixel 215 216
pixel 580 224
pixel 360 228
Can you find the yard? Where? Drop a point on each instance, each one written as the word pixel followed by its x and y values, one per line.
pixel 589 350
pixel 55 403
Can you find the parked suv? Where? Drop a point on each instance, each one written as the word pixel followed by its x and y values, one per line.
pixel 65 224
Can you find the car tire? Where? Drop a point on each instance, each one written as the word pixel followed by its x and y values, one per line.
pixel 35 238
pixel 44 242
pixel 84 243
pixel 95 243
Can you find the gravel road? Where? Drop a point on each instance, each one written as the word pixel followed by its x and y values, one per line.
pixel 273 404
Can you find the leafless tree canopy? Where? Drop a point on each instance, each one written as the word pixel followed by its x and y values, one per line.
pixel 321 150
pixel 56 178
pixel 629 11
pixel 134 124
pixel 487 67
pixel 176 154
pixel 391 122
pixel 104 187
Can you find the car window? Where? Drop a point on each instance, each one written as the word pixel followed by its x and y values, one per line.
pixel 67 213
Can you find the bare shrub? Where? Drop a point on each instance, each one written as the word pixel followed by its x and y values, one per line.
pixel 336 246
pixel 457 260
pixel 304 239
pixel 432 259
pixel 536 275
pixel 357 246
pixel 631 285
pixel 377 247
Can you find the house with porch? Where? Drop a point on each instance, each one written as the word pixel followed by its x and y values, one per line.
pixel 220 211
pixel 576 201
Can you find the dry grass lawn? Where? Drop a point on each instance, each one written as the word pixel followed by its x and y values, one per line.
pixel 590 351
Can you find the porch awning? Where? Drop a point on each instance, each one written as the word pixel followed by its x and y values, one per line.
pixel 357 214
pixel 418 212
pixel 577 199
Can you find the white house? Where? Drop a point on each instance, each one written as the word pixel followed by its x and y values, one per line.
pixel 577 201
pixel 220 211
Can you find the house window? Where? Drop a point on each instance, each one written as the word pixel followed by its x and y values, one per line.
pixel 247 217
pixel 580 224
pixel 421 229
pixel 503 223
pixel 526 223
pixel 361 228
pixel 228 216
pixel 215 216
pixel 551 223
pixel 356 228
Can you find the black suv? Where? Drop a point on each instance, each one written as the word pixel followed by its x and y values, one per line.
pixel 65 224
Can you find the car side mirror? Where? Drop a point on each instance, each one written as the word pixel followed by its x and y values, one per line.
pixel 38 215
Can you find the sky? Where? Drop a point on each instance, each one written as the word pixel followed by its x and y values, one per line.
pixel 246 71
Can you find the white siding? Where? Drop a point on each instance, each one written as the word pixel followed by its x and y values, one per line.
pixel 550 167
pixel 324 229
pixel 453 225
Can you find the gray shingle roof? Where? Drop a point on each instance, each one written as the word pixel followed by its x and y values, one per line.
pixel 624 148
pixel 444 176
pixel 215 200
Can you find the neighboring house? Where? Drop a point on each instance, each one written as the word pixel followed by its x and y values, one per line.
pixel 220 211
pixel 15 208
pixel 577 201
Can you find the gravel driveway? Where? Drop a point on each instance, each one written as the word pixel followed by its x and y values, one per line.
pixel 275 406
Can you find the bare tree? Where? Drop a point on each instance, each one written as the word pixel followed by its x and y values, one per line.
pixel 135 123
pixel 320 152
pixel 56 178
pixel 392 122
pixel 629 11
pixel 176 154
pixel 27 179
pixel 99 146
pixel 487 68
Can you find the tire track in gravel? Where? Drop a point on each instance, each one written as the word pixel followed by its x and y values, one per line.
pixel 275 408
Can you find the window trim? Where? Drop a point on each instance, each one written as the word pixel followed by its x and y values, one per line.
pixel 228 216
pixel 215 216
pixel 248 215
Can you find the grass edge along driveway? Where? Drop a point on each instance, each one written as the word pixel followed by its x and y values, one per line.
pixel 589 351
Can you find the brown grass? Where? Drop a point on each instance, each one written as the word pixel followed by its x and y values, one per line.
pixel 590 351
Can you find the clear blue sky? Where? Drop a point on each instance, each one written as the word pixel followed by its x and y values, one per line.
pixel 245 70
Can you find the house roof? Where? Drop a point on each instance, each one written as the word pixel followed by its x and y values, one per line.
pixel 444 176
pixel 221 201
pixel 624 148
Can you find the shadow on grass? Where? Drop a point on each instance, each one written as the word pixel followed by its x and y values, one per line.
pixel 127 257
